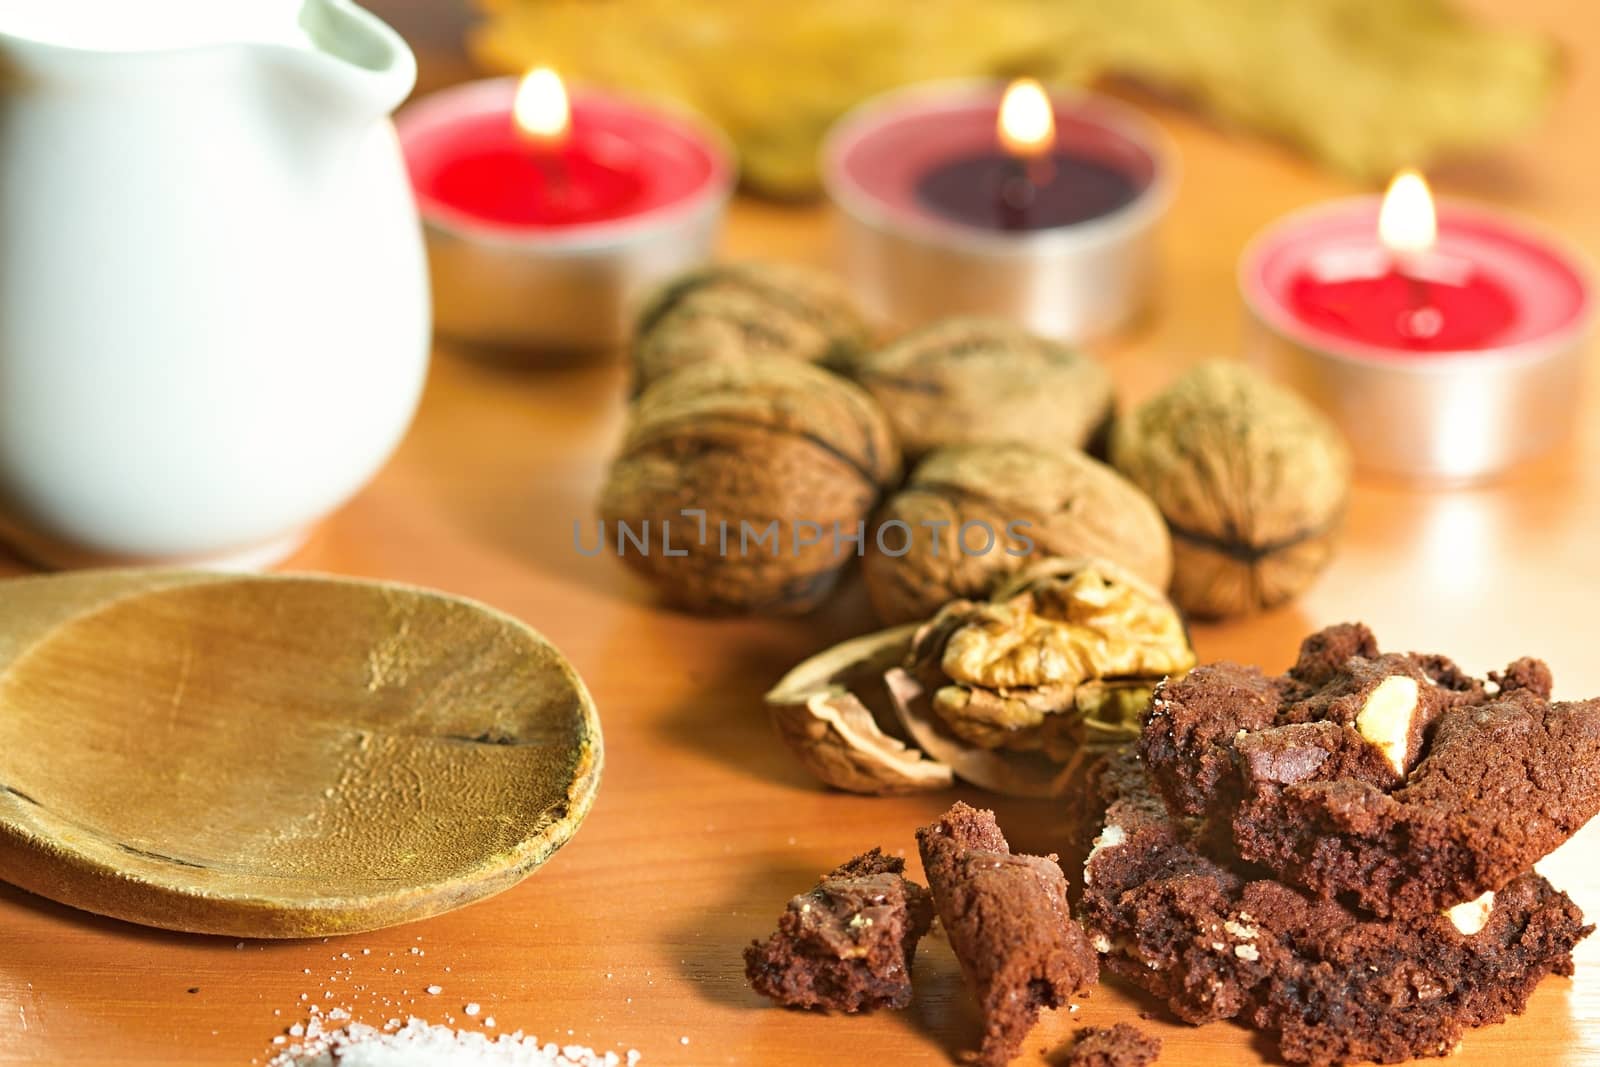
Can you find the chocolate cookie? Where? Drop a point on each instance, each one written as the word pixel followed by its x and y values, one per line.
pixel 1009 923
pixel 1122 1045
pixel 848 944
pixel 1216 943
pixel 1395 782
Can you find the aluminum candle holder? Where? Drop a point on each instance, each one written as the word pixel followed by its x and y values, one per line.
pixel 549 247
pixel 1483 376
pixel 923 180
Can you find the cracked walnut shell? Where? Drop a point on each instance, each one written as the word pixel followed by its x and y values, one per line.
pixel 973 380
pixel 1060 663
pixel 1009 694
pixel 1034 502
pixel 821 710
pixel 729 312
pixel 1252 482
pixel 716 455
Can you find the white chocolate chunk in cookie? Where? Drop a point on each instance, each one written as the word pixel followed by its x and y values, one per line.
pixel 1111 836
pixel 1473 915
pixel 1385 719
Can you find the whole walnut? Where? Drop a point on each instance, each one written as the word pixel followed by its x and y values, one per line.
pixel 730 312
pixel 744 481
pixel 1252 482
pixel 972 514
pixel 974 380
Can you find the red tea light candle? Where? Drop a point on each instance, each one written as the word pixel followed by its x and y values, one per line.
pixel 1446 340
pixel 981 199
pixel 549 214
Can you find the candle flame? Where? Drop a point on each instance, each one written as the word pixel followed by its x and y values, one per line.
pixel 1027 123
pixel 541 108
pixel 1407 225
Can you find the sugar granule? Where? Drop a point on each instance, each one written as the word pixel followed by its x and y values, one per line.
pixel 418 1044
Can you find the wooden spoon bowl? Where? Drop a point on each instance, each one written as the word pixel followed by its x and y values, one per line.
pixel 279 756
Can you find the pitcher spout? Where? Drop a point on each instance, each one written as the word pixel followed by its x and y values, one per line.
pixel 357 68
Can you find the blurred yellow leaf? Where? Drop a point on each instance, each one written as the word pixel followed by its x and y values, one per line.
pixel 1365 86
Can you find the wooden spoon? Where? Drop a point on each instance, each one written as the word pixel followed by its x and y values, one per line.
pixel 279 756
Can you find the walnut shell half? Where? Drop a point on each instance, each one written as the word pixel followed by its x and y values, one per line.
pixel 1252 482
pixel 1034 502
pixel 974 380
pixel 744 478
pixel 728 312
pixel 820 710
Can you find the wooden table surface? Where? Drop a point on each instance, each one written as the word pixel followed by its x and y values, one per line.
pixel 630 938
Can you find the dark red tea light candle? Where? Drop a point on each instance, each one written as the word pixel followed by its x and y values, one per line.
pixel 549 215
pixel 980 198
pixel 1025 183
pixel 1447 341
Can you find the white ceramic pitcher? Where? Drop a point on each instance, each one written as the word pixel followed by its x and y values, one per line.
pixel 214 315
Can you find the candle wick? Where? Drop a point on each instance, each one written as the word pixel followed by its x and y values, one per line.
pixel 1421 320
pixel 1410 267
pixel 1041 171
pixel 549 156
pixel 1417 295
pixel 557 180
pixel 1016 195
pixel 1020 181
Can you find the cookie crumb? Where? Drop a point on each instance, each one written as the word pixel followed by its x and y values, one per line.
pixel 848 944
pixel 1008 921
pixel 1122 1045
